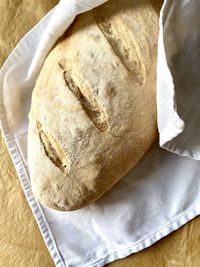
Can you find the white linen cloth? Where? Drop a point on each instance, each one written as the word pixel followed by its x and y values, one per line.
pixel 62 17
pixel 158 196
pixel 179 78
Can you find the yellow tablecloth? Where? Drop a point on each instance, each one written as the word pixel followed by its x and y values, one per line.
pixel 20 241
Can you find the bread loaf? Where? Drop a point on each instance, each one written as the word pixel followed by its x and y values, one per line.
pixel 93 111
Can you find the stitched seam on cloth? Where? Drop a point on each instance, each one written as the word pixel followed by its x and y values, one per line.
pixel 184 152
pixel 18 163
pixel 174 225
pixel 171 146
pixel 20 167
pixel 26 186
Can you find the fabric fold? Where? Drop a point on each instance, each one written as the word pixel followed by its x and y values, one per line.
pixel 155 198
pixel 178 78
pixel 62 17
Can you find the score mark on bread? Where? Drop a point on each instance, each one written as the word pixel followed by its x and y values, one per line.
pixel 96 114
pixel 52 149
pixel 130 57
pixel 93 111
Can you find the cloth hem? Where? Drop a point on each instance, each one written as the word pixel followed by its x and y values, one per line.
pixel 43 225
pixel 40 217
pixel 149 240
pixel 25 183
pixel 18 162
pixel 181 151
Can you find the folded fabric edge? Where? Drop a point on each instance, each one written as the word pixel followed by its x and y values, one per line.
pixel 148 240
pixel 25 184
pixel 176 149
pixel 173 124
pixel 43 225
pixel 16 157
pixel 41 220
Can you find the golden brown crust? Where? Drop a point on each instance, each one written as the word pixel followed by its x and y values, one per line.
pixel 93 113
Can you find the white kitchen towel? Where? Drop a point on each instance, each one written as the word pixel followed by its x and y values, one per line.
pixel 155 198
pixel 62 17
pixel 179 78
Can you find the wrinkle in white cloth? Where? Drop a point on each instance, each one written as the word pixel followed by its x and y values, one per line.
pixel 158 196
pixel 62 17
pixel 178 120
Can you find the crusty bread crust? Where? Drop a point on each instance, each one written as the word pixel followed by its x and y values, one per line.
pixel 93 112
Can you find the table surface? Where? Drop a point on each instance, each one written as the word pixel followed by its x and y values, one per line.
pixel 20 240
